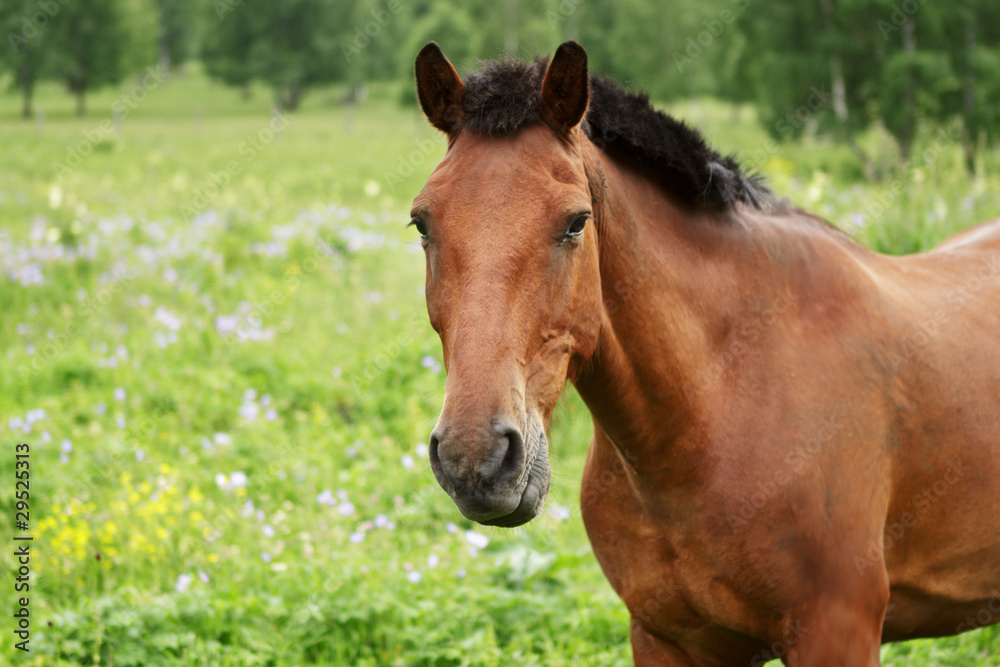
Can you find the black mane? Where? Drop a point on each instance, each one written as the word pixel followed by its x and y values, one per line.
pixel 504 96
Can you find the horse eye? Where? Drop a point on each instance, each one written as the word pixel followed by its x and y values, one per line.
pixel 577 225
pixel 420 225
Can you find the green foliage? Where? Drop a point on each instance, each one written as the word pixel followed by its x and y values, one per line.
pixel 25 28
pixel 179 29
pixel 892 64
pixel 290 46
pixel 915 85
pixel 448 25
pixel 84 45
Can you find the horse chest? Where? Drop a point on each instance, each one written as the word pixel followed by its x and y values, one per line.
pixel 636 552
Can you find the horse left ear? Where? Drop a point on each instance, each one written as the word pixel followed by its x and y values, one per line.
pixel 439 88
pixel 565 88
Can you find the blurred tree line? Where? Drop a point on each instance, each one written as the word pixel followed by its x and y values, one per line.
pixel 831 66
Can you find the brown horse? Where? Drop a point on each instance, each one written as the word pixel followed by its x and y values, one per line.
pixel 796 444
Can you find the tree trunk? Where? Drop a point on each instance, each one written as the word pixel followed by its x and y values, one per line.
pixel 291 98
pixel 840 92
pixel 969 96
pixel 164 62
pixel 81 103
pixel 27 88
pixel 909 127
pixel 836 66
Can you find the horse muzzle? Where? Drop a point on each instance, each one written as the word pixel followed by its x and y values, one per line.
pixel 497 476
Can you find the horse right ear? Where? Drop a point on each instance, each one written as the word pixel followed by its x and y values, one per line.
pixel 439 88
pixel 565 89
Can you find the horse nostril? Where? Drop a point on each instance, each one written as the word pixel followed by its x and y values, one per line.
pixel 508 456
pixel 435 458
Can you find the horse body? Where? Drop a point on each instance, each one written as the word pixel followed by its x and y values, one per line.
pixel 795 446
pixel 844 446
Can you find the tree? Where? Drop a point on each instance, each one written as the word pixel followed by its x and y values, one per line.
pixel 178 23
pixel 99 42
pixel 288 44
pixel 25 26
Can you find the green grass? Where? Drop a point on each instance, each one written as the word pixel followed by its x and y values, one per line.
pixel 149 258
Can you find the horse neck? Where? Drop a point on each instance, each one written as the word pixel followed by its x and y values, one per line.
pixel 671 283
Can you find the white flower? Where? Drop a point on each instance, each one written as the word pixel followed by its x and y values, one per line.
pixel 238 480
pixel 167 318
pixel 227 324
pixel 421 449
pixel 266 557
pixel 204 577
pixel 560 512
pixel 249 411
pixel 477 540
pixel 408 461
pixel 222 480
pixel 326 498
pixel 413 577
pixel 433 561
pixel 139 455
pixel 268 530
pixel 357 537
pixel 460 573
pixel 222 439
pixel 183 581
pixel 66 446
pixel 381 521
pixel 450 527
pixel 346 508
pixel 119 394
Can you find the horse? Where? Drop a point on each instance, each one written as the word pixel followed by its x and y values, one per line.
pixel 796 447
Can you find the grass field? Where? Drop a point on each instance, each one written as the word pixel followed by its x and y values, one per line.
pixel 214 341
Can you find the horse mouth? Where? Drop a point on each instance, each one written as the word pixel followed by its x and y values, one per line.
pixel 527 497
pixel 537 479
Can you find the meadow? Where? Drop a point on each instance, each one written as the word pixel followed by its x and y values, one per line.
pixel 213 338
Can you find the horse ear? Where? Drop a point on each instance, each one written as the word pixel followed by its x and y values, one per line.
pixel 565 88
pixel 439 88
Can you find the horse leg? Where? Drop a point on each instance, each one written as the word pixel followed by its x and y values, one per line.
pixel 651 651
pixel 838 632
